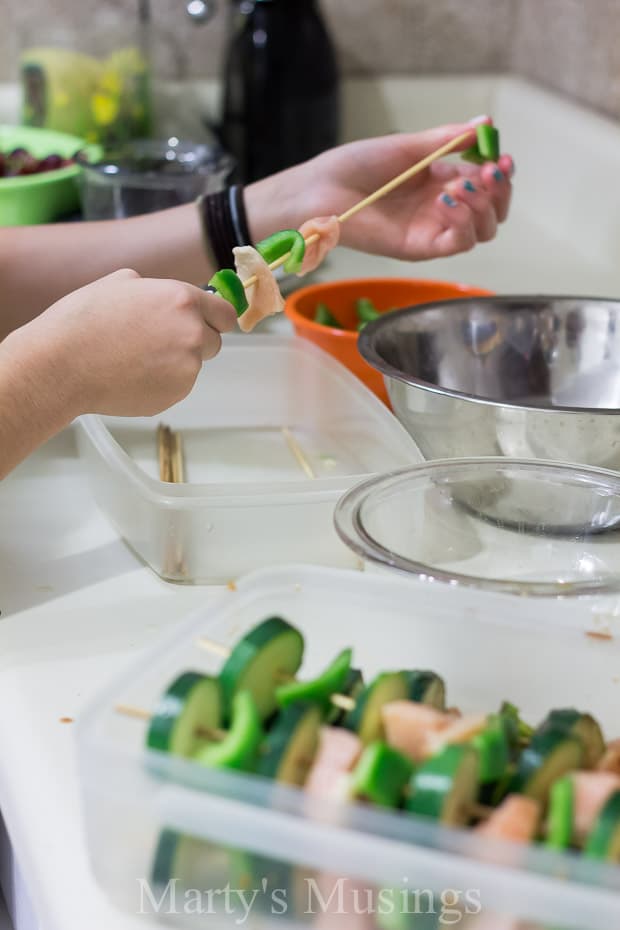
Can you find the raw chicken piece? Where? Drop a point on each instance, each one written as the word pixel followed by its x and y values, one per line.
pixel 409 726
pixel 610 762
pixel 264 297
pixel 459 731
pixel 338 752
pixel 328 228
pixel 516 819
pixel 591 791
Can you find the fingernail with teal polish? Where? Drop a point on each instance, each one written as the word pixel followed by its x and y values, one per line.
pixel 469 187
pixel 447 199
pixel 498 175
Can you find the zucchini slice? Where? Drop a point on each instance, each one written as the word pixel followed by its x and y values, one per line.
pixel 381 775
pixel 320 689
pixel 291 744
pixel 518 733
pixel 493 750
pixel 583 727
pixel 561 815
pixel 352 687
pixel 427 688
pixel 603 843
pixel 259 661
pixel 188 860
pixel 446 786
pixel 550 755
pixel 239 748
pixel 365 718
pixel 192 703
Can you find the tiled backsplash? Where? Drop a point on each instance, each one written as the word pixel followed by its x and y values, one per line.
pixel 569 45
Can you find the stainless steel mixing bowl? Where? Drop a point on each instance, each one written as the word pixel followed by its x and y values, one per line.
pixel 523 377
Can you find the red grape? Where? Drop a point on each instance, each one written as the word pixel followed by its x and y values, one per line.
pixel 20 161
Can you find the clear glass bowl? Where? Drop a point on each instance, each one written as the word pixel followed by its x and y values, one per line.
pixel 517 526
pixel 147 175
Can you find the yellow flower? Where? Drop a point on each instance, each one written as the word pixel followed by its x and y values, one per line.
pixel 104 108
pixel 111 82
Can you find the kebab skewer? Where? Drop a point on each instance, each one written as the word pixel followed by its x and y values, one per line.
pixel 252 288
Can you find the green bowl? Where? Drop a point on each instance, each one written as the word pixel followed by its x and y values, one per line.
pixel 41 198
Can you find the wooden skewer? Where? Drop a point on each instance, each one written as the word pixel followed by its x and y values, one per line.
pixel 376 195
pixel 177 469
pixel 343 701
pixel 171 470
pixel 298 452
pixel 170 455
pixel 139 713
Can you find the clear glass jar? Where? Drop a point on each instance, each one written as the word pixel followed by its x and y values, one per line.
pixel 90 78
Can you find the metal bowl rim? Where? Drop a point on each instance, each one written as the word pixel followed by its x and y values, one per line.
pixel 366 347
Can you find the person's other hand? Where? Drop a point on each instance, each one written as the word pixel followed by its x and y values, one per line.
pixel 446 209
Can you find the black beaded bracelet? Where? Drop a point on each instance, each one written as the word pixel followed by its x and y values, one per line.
pixel 224 223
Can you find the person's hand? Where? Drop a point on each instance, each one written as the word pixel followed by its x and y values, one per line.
pixel 446 209
pixel 130 346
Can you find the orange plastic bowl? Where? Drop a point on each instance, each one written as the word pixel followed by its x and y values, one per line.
pixel 340 297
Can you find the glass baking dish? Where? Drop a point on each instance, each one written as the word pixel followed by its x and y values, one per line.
pixel 206 829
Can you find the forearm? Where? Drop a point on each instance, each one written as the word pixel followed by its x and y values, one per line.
pixel 40 264
pixel 38 396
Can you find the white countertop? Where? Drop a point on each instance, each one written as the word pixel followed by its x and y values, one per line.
pixel 75 602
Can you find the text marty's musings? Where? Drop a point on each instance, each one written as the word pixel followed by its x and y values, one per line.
pixel 312 896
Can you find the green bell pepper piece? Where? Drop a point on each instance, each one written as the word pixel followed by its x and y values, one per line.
pixel 381 775
pixel 227 284
pixel 288 240
pixel 318 690
pixel 487 147
pixel 366 310
pixel 488 142
pixel 239 748
pixel 325 317
pixel 473 155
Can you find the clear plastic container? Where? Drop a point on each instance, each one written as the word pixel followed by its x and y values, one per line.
pixel 521 527
pixel 247 502
pixel 206 828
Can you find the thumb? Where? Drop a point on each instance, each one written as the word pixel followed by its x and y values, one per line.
pixel 423 143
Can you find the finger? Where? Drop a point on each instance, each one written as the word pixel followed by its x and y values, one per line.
pixel 212 343
pixel 507 165
pixel 477 199
pixel 217 313
pixel 443 171
pixel 458 233
pixel 122 274
pixel 499 187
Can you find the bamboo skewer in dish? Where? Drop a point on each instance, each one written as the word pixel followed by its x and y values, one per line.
pixel 171 460
pixel 298 452
pixel 170 455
